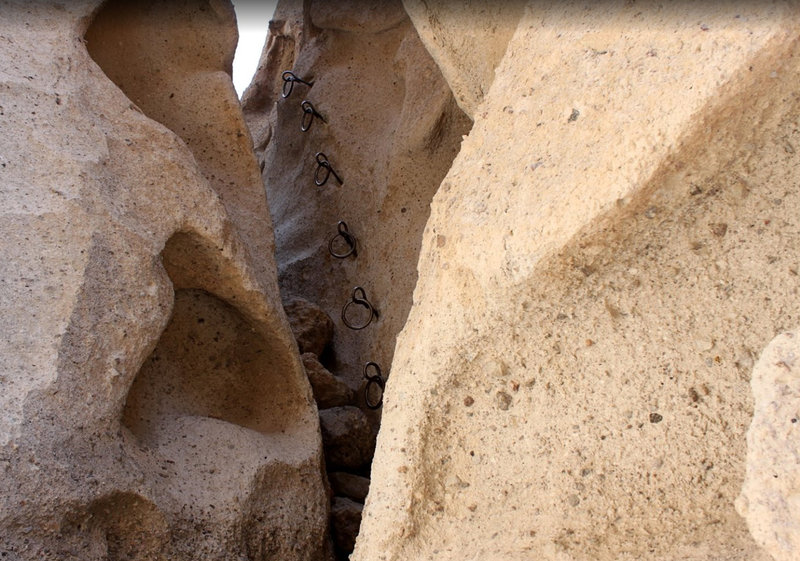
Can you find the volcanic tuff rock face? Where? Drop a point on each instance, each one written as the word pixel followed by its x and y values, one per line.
pixel 604 260
pixel 467 39
pixel 769 499
pixel 153 402
pixel 390 131
pixel 611 249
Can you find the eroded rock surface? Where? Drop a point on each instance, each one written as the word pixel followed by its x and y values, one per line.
pixel 467 40
pixel 329 391
pixel 153 403
pixel 769 499
pixel 391 129
pixel 346 437
pixel 612 247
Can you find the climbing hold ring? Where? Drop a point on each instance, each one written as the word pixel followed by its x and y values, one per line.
pixel 373 380
pixel 359 298
pixel 348 239
pixel 309 112
pixel 324 166
pixel 289 78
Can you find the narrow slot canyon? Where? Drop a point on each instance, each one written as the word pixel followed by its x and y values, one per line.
pixel 388 157
pixel 389 127
pixel 450 281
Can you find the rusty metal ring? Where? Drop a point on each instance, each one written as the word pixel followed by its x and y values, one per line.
pixel 375 379
pixel 289 78
pixel 348 238
pixel 309 112
pixel 324 164
pixel 361 301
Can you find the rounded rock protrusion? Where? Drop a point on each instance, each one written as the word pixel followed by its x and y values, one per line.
pixel 311 326
pixel 329 391
pixel 345 522
pixel 346 437
pixel 349 485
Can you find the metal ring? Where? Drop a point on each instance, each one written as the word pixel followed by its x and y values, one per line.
pixel 289 78
pixel 324 164
pixel 361 301
pixel 309 112
pixel 348 238
pixel 374 379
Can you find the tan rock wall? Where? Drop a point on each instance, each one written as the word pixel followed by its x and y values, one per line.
pixel 392 129
pixel 610 251
pixel 153 402
pixel 467 40
pixel 769 494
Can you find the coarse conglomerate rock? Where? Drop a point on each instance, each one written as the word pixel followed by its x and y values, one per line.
pixel 612 247
pixel 152 401
pixel 391 129
pixel 769 499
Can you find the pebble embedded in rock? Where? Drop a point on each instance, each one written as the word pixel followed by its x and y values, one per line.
pixel 345 522
pixel 503 400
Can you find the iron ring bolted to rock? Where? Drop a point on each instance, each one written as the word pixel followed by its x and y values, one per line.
pixel 361 301
pixel 309 112
pixel 348 238
pixel 289 78
pixel 374 379
pixel 324 164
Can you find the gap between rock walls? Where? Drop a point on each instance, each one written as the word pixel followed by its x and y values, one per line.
pixel 354 128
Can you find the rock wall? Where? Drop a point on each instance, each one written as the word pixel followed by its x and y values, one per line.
pixel 467 40
pixel 593 278
pixel 153 401
pixel 769 494
pixel 609 253
pixel 390 131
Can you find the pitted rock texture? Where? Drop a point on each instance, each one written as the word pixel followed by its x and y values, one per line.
pixel 391 130
pixel 467 39
pixel 357 16
pixel 769 499
pixel 173 60
pixel 153 402
pixel 611 248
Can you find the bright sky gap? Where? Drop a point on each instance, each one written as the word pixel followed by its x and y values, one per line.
pixel 252 17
